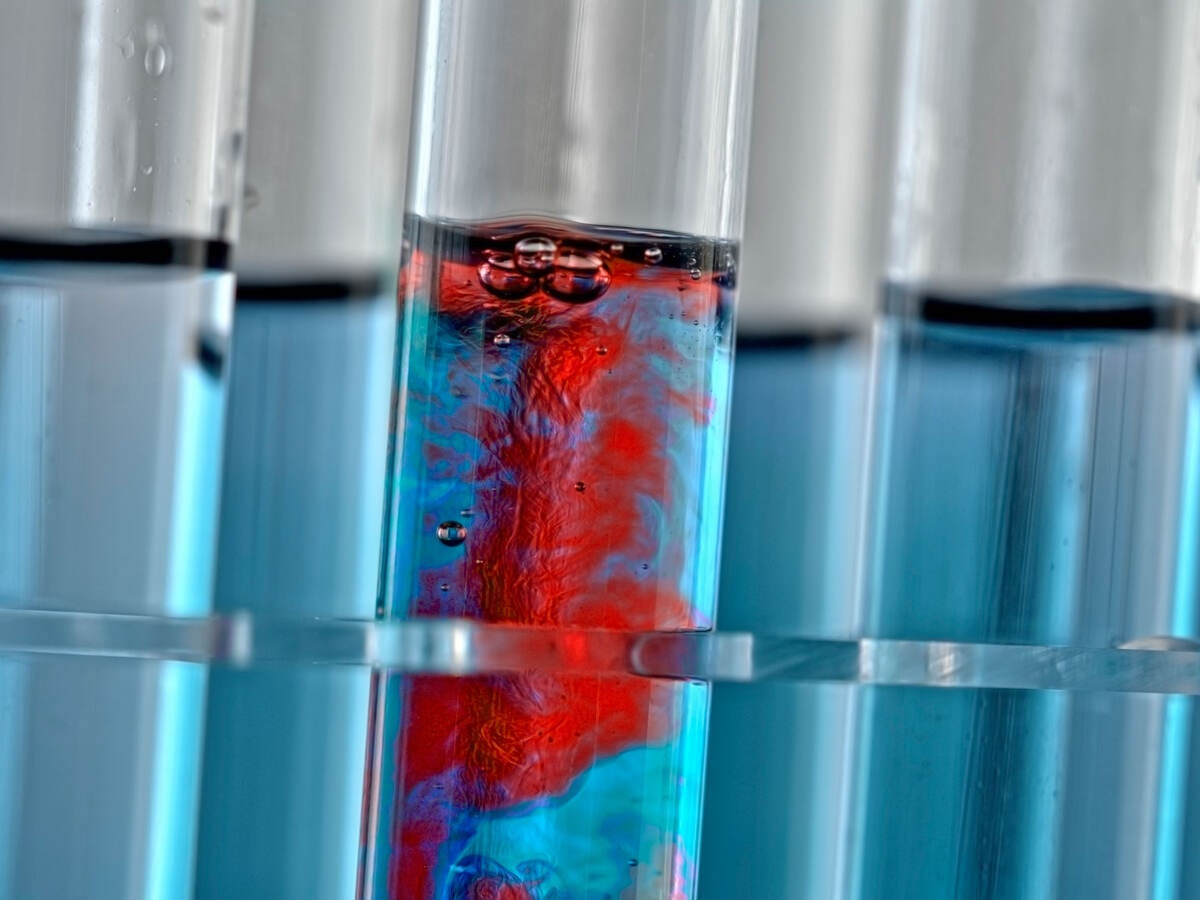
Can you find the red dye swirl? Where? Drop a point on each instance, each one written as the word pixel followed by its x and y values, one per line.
pixel 584 503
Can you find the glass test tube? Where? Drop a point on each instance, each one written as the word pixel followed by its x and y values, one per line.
pixel 1035 465
pixel 120 160
pixel 816 217
pixel 574 207
pixel 306 444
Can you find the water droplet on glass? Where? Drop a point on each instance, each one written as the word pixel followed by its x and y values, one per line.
pixel 616 248
pixel 127 47
pixel 695 273
pixel 580 486
pixel 156 60
pixel 534 254
pixel 602 351
pixel 652 255
pixel 444 587
pixel 502 278
pixel 147 170
pixel 452 533
pixel 645 567
pixel 234 144
pixel 578 277
pixel 502 340
pixel 466 512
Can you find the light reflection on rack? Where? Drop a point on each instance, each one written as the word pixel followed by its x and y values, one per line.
pixel 460 647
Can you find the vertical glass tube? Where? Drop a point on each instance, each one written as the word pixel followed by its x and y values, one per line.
pixel 575 204
pixel 306 439
pixel 816 209
pixel 120 162
pixel 1035 459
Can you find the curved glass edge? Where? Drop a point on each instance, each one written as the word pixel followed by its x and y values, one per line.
pixel 1160 665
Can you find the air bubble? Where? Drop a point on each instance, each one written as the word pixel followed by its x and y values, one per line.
pixel 645 567
pixel 653 255
pixel 452 533
pixel 501 277
pixel 157 57
pixel 444 587
pixel 147 170
pixel 580 486
pixel 578 277
pixel 616 248
pixel 602 350
pixel 466 512
pixel 695 273
pixel 502 340
pixel 534 254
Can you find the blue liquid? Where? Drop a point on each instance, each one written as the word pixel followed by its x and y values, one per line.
pixel 1034 480
pixel 112 397
pixel 778 753
pixel 301 518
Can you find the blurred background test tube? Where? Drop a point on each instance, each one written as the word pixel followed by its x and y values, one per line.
pixel 816 223
pixel 1034 464
pixel 575 197
pixel 307 432
pixel 120 163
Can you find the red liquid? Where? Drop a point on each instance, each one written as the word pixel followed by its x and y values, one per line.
pixel 560 464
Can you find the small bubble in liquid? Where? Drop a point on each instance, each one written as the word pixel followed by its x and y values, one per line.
pixel 578 277
pixel 156 60
pixel 645 567
pixel 616 248
pixel 602 351
pixel 534 254
pixel 580 486
pixel 501 277
pixel 466 512
pixel 695 273
pixel 653 255
pixel 452 533
pixel 501 340
pixel 444 587
pixel 147 170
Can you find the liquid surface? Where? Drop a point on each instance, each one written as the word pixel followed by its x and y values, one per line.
pixel 560 463
pixel 112 392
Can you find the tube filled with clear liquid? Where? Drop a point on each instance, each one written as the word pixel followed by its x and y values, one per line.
pixel 306 437
pixel 120 165
pixel 1034 464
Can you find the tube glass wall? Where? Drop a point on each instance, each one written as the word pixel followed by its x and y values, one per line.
pixel 571 252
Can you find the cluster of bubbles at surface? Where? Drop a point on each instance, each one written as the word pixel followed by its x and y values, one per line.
pixel 538 263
